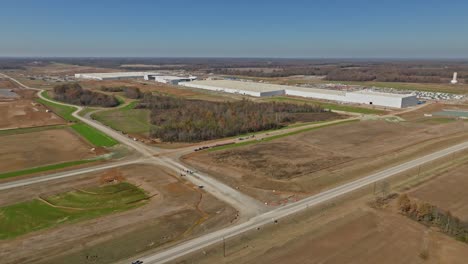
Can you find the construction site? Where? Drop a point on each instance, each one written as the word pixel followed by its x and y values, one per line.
pixel 86 184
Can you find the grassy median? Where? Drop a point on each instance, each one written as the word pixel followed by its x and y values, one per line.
pixel 94 136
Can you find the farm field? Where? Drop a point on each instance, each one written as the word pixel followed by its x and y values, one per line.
pixel 446 191
pixel 26 113
pixel 289 168
pixel 40 148
pixel 172 90
pixel 6 84
pixel 351 232
pixel 175 210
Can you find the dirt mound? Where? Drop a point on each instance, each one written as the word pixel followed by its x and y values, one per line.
pixel 111 176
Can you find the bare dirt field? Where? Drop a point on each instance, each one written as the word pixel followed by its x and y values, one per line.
pixel 175 211
pixel 447 191
pixel 41 148
pixel 148 86
pixel 428 109
pixel 287 169
pixel 347 233
pixel 26 113
pixel 6 84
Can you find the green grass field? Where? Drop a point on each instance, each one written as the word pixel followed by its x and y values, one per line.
pixel 62 110
pixel 126 119
pixel 17 131
pixel 26 217
pixel 86 110
pixel 94 136
pixel 44 168
pixel 331 106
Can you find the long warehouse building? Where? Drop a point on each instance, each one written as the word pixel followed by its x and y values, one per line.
pixel 263 89
pixel 113 75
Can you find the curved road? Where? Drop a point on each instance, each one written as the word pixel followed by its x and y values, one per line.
pixel 247 204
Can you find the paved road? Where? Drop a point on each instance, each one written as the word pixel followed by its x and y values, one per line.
pixel 277 214
pixel 240 201
pixel 247 206
pixel 65 174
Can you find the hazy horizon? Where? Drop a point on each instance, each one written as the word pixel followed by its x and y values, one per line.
pixel 243 29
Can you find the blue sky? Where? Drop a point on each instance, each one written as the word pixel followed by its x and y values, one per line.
pixel 236 28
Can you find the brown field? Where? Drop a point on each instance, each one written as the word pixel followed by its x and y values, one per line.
pixel 418 114
pixel 148 86
pixel 37 75
pixel 287 169
pixel 6 84
pixel 41 148
pixel 347 233
pixel 176 211
pixel 447 191
pixel 26 113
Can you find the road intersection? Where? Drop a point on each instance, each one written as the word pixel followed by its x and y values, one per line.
pixel 253 213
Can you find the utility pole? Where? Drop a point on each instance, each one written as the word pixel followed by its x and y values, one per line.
pixel 224 247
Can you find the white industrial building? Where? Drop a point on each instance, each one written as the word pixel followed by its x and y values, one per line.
pixel 113 75
pixel 169 79
pixel 237 87
pixel 262 89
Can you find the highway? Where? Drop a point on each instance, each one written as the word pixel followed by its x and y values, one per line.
pixel 276 214
pixel 254 214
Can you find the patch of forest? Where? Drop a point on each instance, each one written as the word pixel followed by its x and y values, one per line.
pixel 129 92
pixel 182 120
pixel 73 93
pixel 431 215
pixel 378 72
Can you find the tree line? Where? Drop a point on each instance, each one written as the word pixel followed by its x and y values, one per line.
pixel 379 72
pixel 73 93
pixel 433 216
pixel 129 92
pixel 182 120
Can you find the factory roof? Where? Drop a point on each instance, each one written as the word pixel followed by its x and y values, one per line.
pixel 266 87
pixel 242 85
pixel 172 77
pixel 116 74
pixel 374 93
pixel 315 90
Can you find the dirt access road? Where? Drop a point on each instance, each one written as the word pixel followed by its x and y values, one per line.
pixel 176 211
pixel 266 218
pixel 300 165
